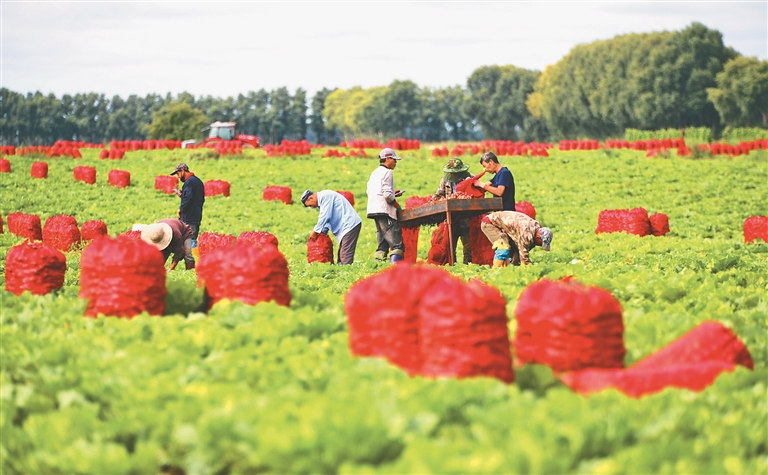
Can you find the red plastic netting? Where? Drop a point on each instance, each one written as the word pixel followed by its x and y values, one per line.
pixel 207 241
pixel 92 229
pixel 119 178
pixel 569 326
pixel 26 226
pixel 526 208
pixel 482 248
pixel 659 224
pixel 439 245
pixel 416 201
pixel 465 186
pixel 631 221
pixel 244 272
pixel 85 174
pixel 61 232
pixel 278 193
pixel 35 267
pixel 216 187
pixel 755 227
pixel 428 322
pixel 5 165
pixel 258 238
pixel 122 277
pixel 166 183
pixel 348 195
pixel 320 250
pixel 411 243
pixel 39 170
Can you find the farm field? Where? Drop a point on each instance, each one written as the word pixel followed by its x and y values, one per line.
pixel 265 388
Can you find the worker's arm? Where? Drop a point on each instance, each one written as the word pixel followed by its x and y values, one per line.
pixel 494 190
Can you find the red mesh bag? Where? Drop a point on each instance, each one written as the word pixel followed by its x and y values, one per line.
pixel 278 193
pixel 465 186
pixel 5 166
pixel 411 243
pixel 569 326
pixel 348 195
pixel 526 208
pixel 428 322
pixel 35 267
pixel 26 226
pixel 659 224
pixel 631 221
pixel 131 235
pixel 258 238
pixel 416 201
pixel 61 232
pixel 755 227
pixel 692 361
pixel 439 245
pixel 122 277
pixel 39 170
pixel 320 250
pixel 244 272
pixel 92 229
pixel 216 187
pixel 166 183
pixel 85 174
pixel 482 248
pixel 207 242
pixel 119 178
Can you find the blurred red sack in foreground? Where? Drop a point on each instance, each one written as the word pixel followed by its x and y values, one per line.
pixel 35 267
pixel 755 227
pixel 208 241
pixel 61 232
pixel 320 250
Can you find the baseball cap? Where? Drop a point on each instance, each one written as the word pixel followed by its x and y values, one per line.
pixel 304 196
pixel 180 167
pixel 546 238
pixel 388 153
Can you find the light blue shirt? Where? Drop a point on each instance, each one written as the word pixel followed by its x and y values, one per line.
pixel 336 214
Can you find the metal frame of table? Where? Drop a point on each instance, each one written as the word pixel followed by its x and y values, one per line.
pixel 445 210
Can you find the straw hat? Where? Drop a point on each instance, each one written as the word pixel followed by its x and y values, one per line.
pixel 157 234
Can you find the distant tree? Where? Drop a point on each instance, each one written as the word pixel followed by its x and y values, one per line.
pixel 401 109
pixel 316 120
pixel 741 95
pixel 297 116
pixel 176 121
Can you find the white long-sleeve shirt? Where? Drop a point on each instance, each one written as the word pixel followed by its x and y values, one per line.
pixel 336 214
pixel 381 193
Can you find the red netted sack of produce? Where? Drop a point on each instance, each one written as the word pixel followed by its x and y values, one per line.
pixel 659 224
pixel 258 238
pixel 216 187
pixel 320 250
pixel 92 229
pixel 416 201
pixel 278 193
pixel 131 234
pixel 122 277
pixel 411 243
pixel 482 248
pixel 439 245
pixel 526 208
pixel 119 178
pixel 244 272
pixel 207 241
pixel 39 170
pixel 348 195
pixel 26 226
pixel 465 186
pixel 85 174
pixel 631 221
pixel 755 227
pixel 5 165
pixel 35 267
pixel 428 322
pixel 166 183
pixel 61 232
pixel 569 326
pixel 692 361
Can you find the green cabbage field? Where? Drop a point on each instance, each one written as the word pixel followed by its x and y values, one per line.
pixel 273 389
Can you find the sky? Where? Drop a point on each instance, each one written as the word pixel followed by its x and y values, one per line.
pixel 227 48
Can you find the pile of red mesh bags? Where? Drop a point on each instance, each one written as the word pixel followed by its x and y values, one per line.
pixel 61 232
pixel 278 193
pixel 85 174
pixel 92 229
pixel 216 187
pixel 258 238
pixel 119 178
pixel 35 267
pixel 526 208
pixel 320 250
pixel 122 277
pixel 416 201
pixel 26 226
pixel 244 272
pixel 207 241
pixel 569 326
pixel 440 245
pixel 659 224
pixel 631 221
pixel 692 361
pixel 428 322
pixel 482 248
pixel 411 243
pixel 112 154
pixel 755 227
pixel 166 183
pixel 39 170
pixel 5 165
pixel 348 195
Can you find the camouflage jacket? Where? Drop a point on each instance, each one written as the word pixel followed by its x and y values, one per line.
pixel 521 228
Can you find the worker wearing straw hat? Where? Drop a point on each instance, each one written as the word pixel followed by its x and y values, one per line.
pixel 454 172
pixel 171 236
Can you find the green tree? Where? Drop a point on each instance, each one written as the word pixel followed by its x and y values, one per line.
pixel 176 121
pixel 400 109
pixel 317 121
pixel 741 95
pixel 297 116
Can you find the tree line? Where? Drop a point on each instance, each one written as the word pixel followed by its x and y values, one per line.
pixel 647 81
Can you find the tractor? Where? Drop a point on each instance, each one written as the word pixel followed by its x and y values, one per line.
pixel 222 131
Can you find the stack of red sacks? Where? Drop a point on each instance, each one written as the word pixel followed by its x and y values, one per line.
pixel 39 170
pixel 278 193
pixel 85 174
pixel 216 187
pixel 35 267
pixel 208 241
pixel 119 178
pixel 755 227
pixel 61 232
pixel 26 226
pixel 92 229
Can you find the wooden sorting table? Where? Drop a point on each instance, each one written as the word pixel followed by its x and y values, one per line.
pixel 447 210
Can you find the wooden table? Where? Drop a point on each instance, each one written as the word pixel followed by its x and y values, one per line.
pixel 447 210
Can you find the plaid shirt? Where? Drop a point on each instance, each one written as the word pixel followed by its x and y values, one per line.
pixel 521 228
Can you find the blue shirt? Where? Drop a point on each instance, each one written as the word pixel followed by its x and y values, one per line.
pixel 336 214
pixel 504 178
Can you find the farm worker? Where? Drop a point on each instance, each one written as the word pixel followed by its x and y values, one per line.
pixel 192 199
pixel 454 172
pixel 337 216
pixel 503 183
pixel 513 234
pixel 383 206
pixel 171 236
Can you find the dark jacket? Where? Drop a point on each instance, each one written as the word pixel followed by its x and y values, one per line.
pixel 192 200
